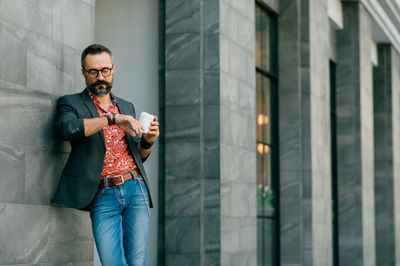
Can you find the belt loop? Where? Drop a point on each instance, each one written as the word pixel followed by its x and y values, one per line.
pixel 133 174
pixel 105 183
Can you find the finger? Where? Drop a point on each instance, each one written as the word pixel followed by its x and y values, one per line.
pixel 140 126
pixel 154 123
pixel 137 127
pixel 130 132
pixel 153 132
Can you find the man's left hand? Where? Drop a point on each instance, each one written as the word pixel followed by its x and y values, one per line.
pixel 154 131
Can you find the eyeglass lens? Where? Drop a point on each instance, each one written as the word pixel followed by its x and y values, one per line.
pixel 95 72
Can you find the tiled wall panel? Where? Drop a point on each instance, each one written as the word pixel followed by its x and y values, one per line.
pixel 40 43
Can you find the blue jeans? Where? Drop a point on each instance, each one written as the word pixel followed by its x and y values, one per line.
pixel 120 222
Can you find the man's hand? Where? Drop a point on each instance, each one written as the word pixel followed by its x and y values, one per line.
pixel 150 137
pixel 154 131
pixel 124 121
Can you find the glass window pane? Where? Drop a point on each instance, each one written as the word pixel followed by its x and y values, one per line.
pixel 260 247
pixel 260 174
pixel 268 241
pixel 258 36
pixel 266 110
pixel 262 39
pixel 268 194
pixel 259 107
pixel 266 63
pixel 265 242
pixel 265 193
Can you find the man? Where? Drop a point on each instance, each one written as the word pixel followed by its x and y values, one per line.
pixel 104 172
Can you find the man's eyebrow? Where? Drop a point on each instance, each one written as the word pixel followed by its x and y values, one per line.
pixel 99 68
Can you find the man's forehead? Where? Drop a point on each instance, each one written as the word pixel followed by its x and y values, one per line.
pixel 98 60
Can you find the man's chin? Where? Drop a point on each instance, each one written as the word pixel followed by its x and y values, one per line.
pixel 100 91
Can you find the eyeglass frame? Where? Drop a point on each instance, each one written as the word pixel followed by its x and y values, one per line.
pixel 99 70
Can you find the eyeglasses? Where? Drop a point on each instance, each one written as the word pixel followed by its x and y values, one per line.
pixel 94 73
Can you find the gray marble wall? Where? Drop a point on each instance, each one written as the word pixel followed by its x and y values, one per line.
pixel 355 139
pixel 291 146
pixel 210 171
pixel 395 69
pixel 237 133
pixel 383 146
pixel 320 135
pixel 192 133
pixel 305 172
pixel 40 42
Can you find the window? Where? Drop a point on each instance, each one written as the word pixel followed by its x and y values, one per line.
pixel 267 137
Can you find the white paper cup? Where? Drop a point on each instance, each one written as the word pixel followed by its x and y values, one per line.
pixel 145 119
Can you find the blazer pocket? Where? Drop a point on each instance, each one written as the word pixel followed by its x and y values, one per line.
pixel 75 171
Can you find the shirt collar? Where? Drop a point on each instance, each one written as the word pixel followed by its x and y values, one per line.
pixel 97 102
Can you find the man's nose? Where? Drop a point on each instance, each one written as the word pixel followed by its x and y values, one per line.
pixel 100 76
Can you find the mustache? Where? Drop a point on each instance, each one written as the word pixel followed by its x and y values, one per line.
pixel 101 82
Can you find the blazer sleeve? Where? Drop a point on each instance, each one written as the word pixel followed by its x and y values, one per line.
pixel 67 124
pixel 137 140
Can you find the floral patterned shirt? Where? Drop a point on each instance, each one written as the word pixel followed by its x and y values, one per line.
pixel 118 159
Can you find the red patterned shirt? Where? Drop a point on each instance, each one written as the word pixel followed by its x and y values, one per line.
pixel 118 159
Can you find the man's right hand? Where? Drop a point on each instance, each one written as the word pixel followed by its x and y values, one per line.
pixel 124 121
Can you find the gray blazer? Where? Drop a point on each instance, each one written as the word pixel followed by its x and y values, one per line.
pixel 81 175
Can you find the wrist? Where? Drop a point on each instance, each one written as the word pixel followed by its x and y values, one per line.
pixel 110 118
pixel 145 144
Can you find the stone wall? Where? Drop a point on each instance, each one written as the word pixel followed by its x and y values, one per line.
pixel 192 148
pixel 40 42
pixel 210 171
pixel 383 146
pixel 395 70
pixel 290 135
pixel 237 133
pixel 355 138
pixel 304 115
pixel 320 116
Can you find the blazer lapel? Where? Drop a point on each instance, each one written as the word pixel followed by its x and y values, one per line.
pixel 123 108
pixel 93 111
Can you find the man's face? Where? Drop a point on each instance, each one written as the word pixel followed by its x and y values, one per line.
pixel 102 62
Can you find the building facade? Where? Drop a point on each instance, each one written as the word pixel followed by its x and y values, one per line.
pixel 280 127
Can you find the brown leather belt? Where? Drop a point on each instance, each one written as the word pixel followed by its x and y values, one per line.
pixel 118 180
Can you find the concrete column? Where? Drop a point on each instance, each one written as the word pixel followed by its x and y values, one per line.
pixel 383 147
pixel 41 42
pixel 291 150
pixel 238 133
pixel 395 69
pixel 210 164
pixel 320 138
pixel 304 115
pixel 355 138
pixel 192 140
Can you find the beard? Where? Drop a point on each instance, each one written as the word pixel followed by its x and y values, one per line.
pixel 101 90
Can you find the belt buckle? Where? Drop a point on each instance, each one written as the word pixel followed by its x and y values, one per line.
pixel 122 177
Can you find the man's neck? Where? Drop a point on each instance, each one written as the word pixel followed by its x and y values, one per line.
pixel 106 99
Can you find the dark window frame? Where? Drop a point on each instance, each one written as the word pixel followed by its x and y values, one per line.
pixel 334 165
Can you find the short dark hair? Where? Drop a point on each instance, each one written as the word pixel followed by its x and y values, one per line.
pixel 94 49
